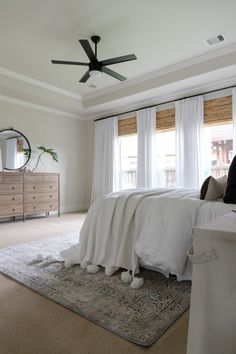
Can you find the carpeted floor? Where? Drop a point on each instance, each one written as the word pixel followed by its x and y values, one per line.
pixel 30 323
pixel 139 315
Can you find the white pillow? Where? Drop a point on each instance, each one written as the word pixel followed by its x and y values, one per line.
pixel 215 188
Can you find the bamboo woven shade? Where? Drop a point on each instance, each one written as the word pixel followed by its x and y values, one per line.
pixel 166 119
pixel 127 126
pixel 216 111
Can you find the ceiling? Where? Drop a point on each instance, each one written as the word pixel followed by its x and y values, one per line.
pixel 168 38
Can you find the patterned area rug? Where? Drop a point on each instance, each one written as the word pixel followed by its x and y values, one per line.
pixel 140 316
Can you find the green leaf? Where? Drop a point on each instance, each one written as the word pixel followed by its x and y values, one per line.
pixel 49 151
pixel 26 153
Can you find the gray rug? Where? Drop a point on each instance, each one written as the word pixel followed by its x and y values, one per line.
pixel 140 316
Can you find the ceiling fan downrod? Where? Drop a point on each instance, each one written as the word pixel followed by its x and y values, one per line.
pixel 95 40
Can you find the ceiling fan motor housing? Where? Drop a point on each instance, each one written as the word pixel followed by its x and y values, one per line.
pixel 95 65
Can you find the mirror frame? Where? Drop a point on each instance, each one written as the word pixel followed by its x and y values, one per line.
pixel 17 131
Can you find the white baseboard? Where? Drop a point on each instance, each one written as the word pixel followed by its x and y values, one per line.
pixel 74 208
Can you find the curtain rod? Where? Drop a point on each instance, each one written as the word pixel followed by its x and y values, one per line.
pixel 159 104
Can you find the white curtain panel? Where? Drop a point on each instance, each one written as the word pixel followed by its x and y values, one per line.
pixel 146 128
pixel 189 142
pixel 234 118
pixel 105 170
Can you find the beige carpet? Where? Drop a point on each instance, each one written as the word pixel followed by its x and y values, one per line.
pixel 32 324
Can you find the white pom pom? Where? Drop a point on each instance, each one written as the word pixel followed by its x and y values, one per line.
pixel 50 259
pixel 92 268
pixel 109 271
pixel 126 277
pixel 68 264
pixel 84 264
pixel 136 283
pixel 39 258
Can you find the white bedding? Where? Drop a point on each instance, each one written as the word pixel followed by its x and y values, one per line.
pixel 208 210
pixel 153 228
pixel 110 231
pixel 164 235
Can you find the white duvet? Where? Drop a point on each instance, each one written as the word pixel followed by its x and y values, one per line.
pixel 155 227
pixel 166 233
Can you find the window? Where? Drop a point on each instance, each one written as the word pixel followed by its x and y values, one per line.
pixel 128 161
pixel 218 146
pixel 165 159
pixel 218 149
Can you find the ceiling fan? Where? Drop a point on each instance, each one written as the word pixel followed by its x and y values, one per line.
pixel 97 67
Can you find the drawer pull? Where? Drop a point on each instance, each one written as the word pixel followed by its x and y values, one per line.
pixel 13 198
pixel 34 197
pixel 12 188
pixel 50 206
pixel 33 187
pixel 13 209
pixel 50 196
pixel 50 186
pixel 34 207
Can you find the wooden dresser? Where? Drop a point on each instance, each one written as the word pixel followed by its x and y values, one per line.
pixel 23 194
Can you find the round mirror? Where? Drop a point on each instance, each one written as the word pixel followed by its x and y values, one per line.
pixel 15 150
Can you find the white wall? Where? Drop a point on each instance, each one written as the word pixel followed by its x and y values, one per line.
pixel 70 138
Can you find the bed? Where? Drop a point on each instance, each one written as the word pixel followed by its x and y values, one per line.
pixel 148 228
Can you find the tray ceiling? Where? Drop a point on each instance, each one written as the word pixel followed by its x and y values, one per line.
pixel 162 34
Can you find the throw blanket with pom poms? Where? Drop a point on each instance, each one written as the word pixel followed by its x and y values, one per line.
pixel 108 235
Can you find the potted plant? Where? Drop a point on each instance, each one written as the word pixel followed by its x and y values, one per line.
pixel 43 150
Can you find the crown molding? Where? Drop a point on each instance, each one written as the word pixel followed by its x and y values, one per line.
pixel 39 94
pixel 158 97
pixel 22 103
pixel 38 83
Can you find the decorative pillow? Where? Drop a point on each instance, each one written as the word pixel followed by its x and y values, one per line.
pixel 230 191
pixel 213 188
pixel 204 187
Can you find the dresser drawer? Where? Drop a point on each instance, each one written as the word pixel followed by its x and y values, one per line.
pixel 25 193
pixel 41 197
pixel 11 199
pixel 33 179
pixel 12 178
pixel 50 179
pixel 36 207
pixel 11 210
pixel 44 187
pixel 11 188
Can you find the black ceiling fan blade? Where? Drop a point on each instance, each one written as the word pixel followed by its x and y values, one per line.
pixel 117 60
pixel 88 50
pixel 85 77
pixel 113 74
pixel 68 62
